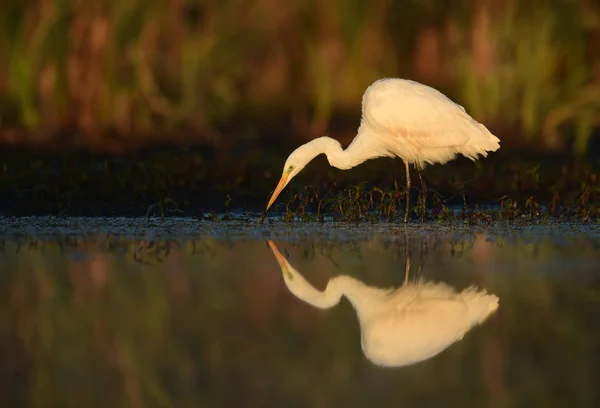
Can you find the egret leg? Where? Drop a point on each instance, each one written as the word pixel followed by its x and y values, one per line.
pixel 406 258
pixel 423 195
pixel 424 248
pixel 407 191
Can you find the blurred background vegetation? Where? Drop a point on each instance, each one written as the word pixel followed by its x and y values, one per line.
pixel 108 74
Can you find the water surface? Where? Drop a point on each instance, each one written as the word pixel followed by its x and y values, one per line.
pixel 181 312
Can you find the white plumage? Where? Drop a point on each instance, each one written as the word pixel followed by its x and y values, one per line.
pixel 400 118
pixel 400 326
pixel 420 124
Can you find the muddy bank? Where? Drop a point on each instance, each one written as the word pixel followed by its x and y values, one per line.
pixel 74 230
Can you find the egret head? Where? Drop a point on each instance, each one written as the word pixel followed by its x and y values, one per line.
pixel 293 165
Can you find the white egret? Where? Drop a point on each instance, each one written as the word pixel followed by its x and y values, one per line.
pixel 401 326
pixel 400 118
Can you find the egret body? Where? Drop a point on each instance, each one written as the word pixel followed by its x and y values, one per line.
pixel 400 118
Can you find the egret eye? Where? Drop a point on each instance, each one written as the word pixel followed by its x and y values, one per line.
pixel 290 168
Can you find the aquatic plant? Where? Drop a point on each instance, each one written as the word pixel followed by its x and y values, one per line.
pixel 179 181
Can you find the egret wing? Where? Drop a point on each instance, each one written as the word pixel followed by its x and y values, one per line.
pixel 415 114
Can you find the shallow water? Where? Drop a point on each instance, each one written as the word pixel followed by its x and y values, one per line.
pixel 129 312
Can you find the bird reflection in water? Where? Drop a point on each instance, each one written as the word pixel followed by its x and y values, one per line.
pixel 401 326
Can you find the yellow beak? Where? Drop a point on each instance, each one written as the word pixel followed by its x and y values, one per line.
pixel 283 263
pixel 282 183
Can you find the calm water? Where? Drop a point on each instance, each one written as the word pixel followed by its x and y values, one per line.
pixel 183 313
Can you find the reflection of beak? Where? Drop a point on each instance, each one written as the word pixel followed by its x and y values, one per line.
pixel 283 263
pixel 282 183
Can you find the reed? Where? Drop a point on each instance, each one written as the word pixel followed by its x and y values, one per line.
pixel 135 66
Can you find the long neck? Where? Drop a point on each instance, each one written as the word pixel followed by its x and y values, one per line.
pixel 362 297
pixel 355 154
